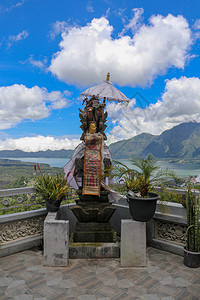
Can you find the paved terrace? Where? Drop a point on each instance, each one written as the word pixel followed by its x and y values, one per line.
pixel 23 277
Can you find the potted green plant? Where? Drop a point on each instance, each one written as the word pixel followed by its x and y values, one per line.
pixel 192 249
pixel 139 183
pixel 53 189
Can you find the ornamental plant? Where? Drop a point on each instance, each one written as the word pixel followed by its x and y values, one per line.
pixel 51 188
pixel 193 230
pixel 144 175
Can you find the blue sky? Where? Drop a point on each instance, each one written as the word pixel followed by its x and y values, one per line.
pixel 50 51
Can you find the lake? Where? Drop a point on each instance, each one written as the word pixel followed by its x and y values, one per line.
pixel 182 169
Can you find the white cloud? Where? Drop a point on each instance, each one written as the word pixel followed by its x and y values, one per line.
pixel 89 7
pixel 121 13
pixel 180 102
pixel 19 3
pixel 197 24
pixel 4 9
pixel 58 28
pixel 88 53
pixel 17 103
pixel 15 38
pixel 41 64
pixel 134 23
pixel 107 13
pixel 38 143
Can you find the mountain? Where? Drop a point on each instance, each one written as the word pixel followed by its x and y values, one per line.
pixel 180 142
pixel 47 154
pixel 131 147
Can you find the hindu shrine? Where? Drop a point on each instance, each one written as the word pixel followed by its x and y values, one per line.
pixel 88 170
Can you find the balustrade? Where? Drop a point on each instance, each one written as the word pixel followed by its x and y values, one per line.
pixel 17 198
pixel 23 230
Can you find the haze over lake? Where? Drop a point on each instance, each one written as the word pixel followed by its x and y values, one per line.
pixel 182 169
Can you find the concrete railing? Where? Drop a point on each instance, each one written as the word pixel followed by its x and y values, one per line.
pixel 18 198
pixel 21 231
pixel 166 231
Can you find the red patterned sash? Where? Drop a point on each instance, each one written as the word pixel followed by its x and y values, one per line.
pixel 92 164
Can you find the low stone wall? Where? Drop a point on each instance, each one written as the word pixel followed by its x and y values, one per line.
pixel 166 231
pixel 21 231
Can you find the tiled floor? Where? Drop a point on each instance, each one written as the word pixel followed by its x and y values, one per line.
pixel 23 277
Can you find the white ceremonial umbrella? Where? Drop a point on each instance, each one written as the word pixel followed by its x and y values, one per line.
pixel 105 90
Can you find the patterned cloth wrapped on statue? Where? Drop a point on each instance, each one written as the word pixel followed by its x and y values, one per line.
pixel 74 168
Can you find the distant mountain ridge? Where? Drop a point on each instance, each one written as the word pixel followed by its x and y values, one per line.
pixel 182 142
pixel 46 154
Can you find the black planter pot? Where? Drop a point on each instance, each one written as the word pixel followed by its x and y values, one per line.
pixel 53 207
pixel 142 209
pixel 191 259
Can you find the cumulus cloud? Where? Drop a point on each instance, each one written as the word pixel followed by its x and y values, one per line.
pixel 88 53
pixel 180 102
pixel 38 143
pixel 15 38
pixel 17 103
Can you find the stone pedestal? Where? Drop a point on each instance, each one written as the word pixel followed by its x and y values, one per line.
pixel 133 244
pixel 93 214
pixel 56 241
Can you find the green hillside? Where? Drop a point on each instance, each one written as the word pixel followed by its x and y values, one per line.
pixel 14 173
pixel 182 142
pixel 127 148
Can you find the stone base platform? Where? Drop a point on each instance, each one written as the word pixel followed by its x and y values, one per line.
pixel 93 232
pixel 94 250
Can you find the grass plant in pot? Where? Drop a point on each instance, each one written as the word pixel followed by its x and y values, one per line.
pixel 52 188
pixel 139 183
pixel 192 249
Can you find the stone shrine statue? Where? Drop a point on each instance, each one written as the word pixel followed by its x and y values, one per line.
pixel 93 117
pixel 92 159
